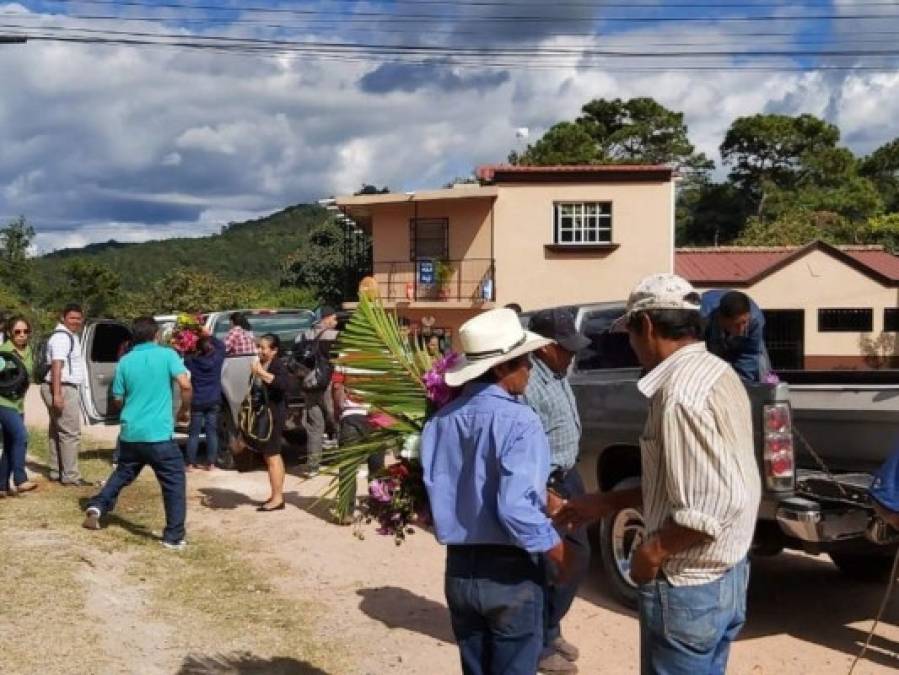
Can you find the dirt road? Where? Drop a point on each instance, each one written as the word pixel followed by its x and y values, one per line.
pixel 388 600
pixel 382 606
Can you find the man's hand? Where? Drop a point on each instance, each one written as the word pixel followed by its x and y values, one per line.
pixel 59 403
pixel 581 511
pixel 554 502
pixel 183 418
pixel 646 561
pixel 560 561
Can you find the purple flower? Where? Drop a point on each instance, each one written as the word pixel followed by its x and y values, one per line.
pixel 771 378
pixel 439 393
pixel 381 490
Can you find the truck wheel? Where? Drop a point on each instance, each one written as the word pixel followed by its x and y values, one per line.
pixel 619 535
pixel 873 566
pixel 226 436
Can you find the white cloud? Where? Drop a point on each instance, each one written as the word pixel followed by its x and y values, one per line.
pixel 128 143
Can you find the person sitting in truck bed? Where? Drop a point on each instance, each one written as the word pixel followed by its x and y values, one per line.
pixel 240 339
pixel 735 332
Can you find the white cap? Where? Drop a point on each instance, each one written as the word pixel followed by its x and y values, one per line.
pixel 663 291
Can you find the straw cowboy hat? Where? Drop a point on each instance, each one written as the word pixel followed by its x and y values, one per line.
pixel 489 339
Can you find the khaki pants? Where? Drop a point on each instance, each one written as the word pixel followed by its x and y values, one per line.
pixel 64 434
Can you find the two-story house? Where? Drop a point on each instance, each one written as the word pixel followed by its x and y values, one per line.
pixel 535 236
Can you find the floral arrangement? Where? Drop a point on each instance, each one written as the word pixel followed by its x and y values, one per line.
pixel 186 334
pixel 398 379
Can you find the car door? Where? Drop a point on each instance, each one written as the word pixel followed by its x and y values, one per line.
pixel 103 343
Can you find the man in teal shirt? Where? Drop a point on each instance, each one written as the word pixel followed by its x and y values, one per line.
pixel 143 385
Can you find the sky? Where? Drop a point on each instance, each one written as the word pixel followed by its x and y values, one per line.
pixel 118 140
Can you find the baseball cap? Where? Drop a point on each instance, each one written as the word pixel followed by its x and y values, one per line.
pixel 663 291
pixel 558 325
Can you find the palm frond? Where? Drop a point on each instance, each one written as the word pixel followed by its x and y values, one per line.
pixel 345 463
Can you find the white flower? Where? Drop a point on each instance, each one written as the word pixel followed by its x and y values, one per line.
pixel 411 447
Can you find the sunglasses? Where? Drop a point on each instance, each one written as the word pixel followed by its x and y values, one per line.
pixel 21 332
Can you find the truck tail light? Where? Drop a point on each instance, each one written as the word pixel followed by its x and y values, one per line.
pixel 778 455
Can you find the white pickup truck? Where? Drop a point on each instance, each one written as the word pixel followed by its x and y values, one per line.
pixel 102 342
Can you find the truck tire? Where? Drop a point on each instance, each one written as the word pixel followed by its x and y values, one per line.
pixel 619 535
pixel 873 566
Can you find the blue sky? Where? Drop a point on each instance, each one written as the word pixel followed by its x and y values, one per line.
pixel 138 142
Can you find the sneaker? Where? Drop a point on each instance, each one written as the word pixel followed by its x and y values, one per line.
pixel 78 483
pixel 566 649
pixel 174 545
pixel 91 518
pixel 310 472
pixel 555 663
pixel 26 486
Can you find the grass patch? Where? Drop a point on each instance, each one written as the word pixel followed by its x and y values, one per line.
pixel 214 603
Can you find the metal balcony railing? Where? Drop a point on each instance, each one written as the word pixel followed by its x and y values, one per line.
pixel 468 279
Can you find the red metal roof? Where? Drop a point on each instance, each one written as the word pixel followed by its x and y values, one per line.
pixel 881 261
pixel 743 266
pixel 488 172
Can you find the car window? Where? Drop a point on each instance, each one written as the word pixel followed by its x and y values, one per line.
pixel 608 348
pixel 286 325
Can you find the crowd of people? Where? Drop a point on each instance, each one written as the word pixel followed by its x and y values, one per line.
pixel 499 461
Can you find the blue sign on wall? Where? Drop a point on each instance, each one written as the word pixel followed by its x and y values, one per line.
pixel 425 272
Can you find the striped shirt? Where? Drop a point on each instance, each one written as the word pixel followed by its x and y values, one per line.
pixel 699 465
pixel 550 396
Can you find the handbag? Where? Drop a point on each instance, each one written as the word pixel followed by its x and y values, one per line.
pixel 255 417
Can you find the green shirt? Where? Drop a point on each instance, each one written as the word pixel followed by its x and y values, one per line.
pixel 28 358
pixel 143 379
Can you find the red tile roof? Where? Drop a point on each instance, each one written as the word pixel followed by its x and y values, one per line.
pixel 744 266
pixel 488 172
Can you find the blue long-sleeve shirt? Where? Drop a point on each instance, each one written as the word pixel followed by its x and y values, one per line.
pixel 746 353
pixel 486 463
pixel 206 374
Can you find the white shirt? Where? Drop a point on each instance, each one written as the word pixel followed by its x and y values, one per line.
pixel 699 465
pixel 66 348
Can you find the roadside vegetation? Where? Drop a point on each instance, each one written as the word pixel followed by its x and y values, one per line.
pixel 99 602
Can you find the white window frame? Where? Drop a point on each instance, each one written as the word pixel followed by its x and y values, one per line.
pixel 586 223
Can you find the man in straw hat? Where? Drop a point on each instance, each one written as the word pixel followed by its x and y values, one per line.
pixel 700 487
pixel 486 464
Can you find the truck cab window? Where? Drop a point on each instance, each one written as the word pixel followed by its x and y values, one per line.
pixel 608 349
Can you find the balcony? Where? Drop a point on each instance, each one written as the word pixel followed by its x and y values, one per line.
pixel 470 280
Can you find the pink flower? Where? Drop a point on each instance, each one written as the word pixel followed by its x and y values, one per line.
pixel 439 393
pixel 381 490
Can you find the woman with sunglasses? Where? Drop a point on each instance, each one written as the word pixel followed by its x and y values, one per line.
pixel 12 412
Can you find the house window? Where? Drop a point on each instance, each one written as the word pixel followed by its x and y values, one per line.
pixel 579 223
pixel 845 320
pixel 891 320
pixel 429 238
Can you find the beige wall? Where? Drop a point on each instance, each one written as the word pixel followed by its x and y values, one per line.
pixel 469 241
pixel 527 273
pixel 820 281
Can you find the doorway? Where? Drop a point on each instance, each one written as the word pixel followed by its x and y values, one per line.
pixel 785 338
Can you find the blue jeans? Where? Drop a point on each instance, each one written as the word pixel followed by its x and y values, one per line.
pixel 204 417
pixel 495 598
pixel 688 630
pixel 558 599
pixel 15 447
pixel 167 463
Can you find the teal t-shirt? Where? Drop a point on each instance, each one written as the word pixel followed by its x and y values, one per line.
pixel 143 379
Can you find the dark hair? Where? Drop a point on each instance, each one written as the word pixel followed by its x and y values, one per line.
pixel 734 304
pixel 13 320
pixel 240 319
pixel 671 324
pixel 144 329
pixel 273 340
pixel 514 306
pixel 72 307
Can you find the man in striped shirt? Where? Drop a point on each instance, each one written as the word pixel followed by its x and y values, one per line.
pixel 700 487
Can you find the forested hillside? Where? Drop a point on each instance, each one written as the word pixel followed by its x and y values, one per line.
pixel 249 251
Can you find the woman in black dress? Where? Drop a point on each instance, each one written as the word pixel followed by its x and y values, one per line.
pixel 272 374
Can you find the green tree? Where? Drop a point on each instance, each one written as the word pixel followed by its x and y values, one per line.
pixel 319 265
pixel 793 228
pixel 91 284
pixel 709 214
pixel 16 238
pixel 882 167
pixel 564 143
pixel 765 150
pixel 637 131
